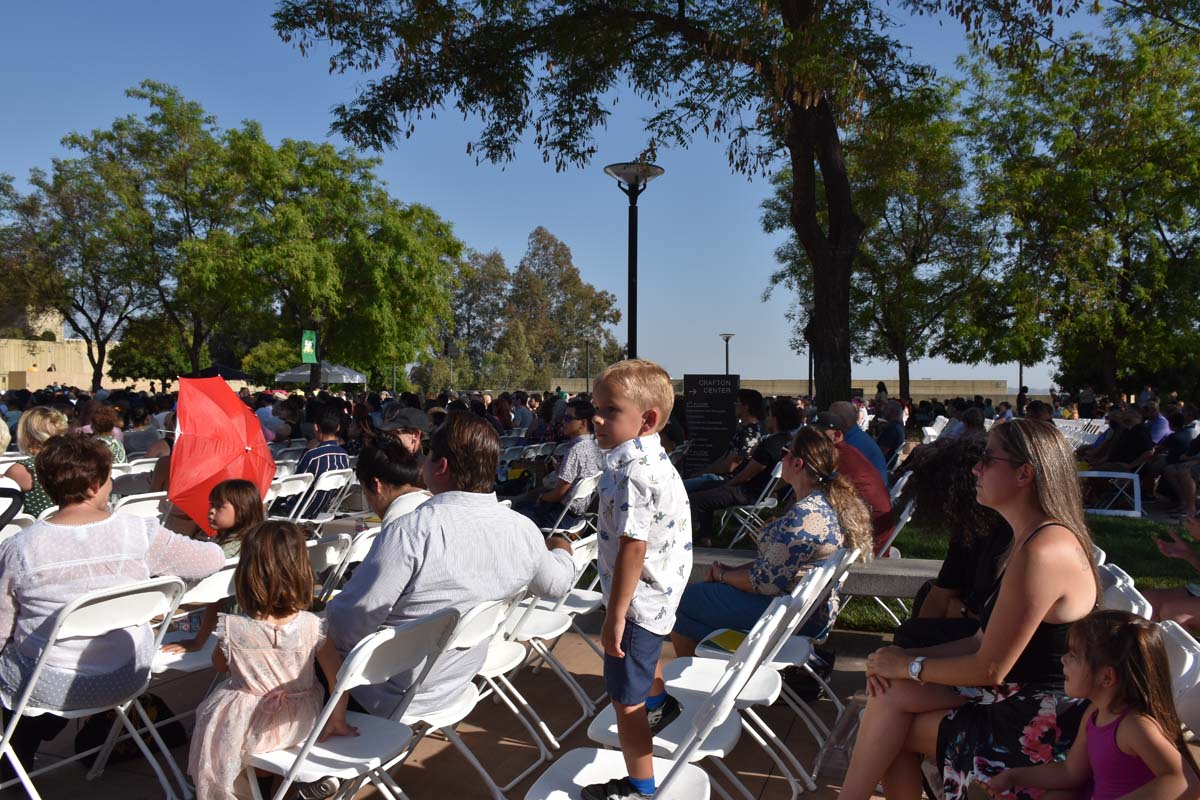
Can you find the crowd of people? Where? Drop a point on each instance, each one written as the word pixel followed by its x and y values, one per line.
pixel 1006 675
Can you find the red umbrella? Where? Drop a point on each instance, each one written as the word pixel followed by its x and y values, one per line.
pixel 219 438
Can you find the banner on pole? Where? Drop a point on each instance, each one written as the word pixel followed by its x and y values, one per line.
pixel 308 347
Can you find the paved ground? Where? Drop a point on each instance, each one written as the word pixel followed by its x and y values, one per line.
pixel 437 771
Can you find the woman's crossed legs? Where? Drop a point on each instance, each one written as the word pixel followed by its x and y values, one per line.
pixel 897 727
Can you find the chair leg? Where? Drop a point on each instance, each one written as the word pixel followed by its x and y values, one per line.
pixel 585 703
pixel 732 778
pixel 781 747
pixel 891 614
pixel 22 775
pixel 528 709
pixel 806 714
pixel 137 740
pixel 543 753
pixel 101 761
pixel 779 765
pixel 184 786
pixel 474 762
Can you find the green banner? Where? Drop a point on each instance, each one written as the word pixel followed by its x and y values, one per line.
pixel 308 347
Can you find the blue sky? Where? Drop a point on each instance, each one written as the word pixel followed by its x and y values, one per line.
pixel 703 258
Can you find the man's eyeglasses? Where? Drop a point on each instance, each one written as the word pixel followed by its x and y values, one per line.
pixel 988 458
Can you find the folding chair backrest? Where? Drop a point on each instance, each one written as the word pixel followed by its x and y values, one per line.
pixel 480 624
pixel 1112 575
pixel 1183 652
pixel 46 512
pixel 769 488
pixel 717 707
pixel 12 499
pixel 584 552
pixel 808 592
pixel 18 523
pixel 327 552
pixel 391 651
pixel 583 488
pixel 117 607
pixel 151 504
pixel 901 521
pixel 360 545
pixel 141 466
pixel 283 468
pixel 327 485
pixel 215 587
pixel 1099 555
pixel 898 486
pixel 1126 597
pixel 293 485
pixel 512 453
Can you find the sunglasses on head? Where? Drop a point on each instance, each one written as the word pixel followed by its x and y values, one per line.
pixel 988 458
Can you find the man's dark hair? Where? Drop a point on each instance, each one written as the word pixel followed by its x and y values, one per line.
pixel 471 449
pixel 389 461
pixel 972 418
pixel 753 400
pixel 329 420
pixel 582 409
pixel 786 414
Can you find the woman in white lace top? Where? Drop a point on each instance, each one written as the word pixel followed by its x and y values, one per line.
pixel 80 548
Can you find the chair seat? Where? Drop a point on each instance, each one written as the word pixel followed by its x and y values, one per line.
pixel 700 675
pixel 502 658
pixel 379 741
pixel 184 662
pixel 450 714
pixel 579 525
pixel 567 776
pixel 795 651
pixel 542 624
pixel 720 743
pixel 579 601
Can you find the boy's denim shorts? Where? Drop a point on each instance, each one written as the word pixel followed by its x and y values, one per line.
pixel 628 680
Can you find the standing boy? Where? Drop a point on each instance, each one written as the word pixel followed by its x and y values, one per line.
pixel 645 558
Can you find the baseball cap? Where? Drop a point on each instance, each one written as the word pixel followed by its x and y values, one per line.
pixel 826 421
pixel 398 416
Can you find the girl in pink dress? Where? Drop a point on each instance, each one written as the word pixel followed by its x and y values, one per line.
pixel 1130 739
pixel 272 698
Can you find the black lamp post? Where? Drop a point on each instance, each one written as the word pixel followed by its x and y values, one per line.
pixel 632 178
pixel 727 337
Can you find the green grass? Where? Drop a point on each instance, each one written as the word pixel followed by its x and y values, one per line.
pixel 1128 543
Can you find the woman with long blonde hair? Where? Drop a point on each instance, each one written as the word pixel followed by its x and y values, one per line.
pixel 36 427
pixel 828 514
pixel 995 700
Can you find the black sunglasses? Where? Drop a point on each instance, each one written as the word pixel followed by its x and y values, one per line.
pixel 987 459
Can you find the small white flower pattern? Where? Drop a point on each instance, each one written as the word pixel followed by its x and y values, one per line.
pixel 642 497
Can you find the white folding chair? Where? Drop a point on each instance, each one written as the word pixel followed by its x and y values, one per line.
pixel 476 627
pixel 361 544
pixel 135 477
pixel 682 779
pixel 213 589
pixel 17 524
pixel 898 486
pixel 89 616
pixel 1126 487
pixel 152 505
pixel 326 556
pixel 1112 575
pixel 380 741
pixel 46 512
pixel 1098 555
pixel 1126 597
pixel 285 468
pixel 291 486
pixel 750 516
pixel 584 487
pixel 1183 653
pixel 326 489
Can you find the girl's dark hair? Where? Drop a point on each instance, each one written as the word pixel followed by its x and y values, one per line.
pixel 1134 648
pixel 273 575
pixel 943 485
pixel 247 507
pixel 389 461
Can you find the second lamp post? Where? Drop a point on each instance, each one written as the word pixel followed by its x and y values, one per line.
pixel 632 178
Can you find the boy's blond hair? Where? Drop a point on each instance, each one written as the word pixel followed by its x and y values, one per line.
pixel 645 383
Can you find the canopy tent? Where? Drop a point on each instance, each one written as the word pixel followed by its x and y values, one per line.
pixel 330 373
pixel 221 371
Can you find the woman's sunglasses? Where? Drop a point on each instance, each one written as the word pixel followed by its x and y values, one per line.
pixel 988 458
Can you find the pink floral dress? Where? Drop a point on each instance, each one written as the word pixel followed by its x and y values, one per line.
pixel 270 701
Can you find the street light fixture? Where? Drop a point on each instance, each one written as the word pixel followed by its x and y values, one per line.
pixel 632 177
pixel 727 337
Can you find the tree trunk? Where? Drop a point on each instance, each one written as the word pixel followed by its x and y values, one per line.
pixel 902 364
pixel 813 137
pixel 97 364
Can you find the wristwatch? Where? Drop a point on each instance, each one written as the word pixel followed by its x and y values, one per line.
pixel 914 668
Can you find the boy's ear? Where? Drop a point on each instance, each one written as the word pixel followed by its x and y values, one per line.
pixel 650 419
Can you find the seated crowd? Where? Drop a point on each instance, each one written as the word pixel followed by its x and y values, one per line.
pixel 1006 675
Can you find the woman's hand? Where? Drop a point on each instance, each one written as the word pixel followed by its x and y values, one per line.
pixel 1001 783
pixel 888 662
pixel 715 570
pixel 337 726
pixel 877 685
pixel 182 646
pixel 1176 548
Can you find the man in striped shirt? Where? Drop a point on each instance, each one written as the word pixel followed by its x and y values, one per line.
pixel 327 455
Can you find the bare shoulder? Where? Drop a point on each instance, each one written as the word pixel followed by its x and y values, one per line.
pixel 1055 544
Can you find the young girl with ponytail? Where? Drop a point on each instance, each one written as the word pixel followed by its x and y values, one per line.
pixel 828 514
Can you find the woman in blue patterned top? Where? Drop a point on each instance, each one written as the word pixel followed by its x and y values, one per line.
pixel 828 514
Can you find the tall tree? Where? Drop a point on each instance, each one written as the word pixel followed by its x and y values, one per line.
pixel 64 250
pixel 924 247
pixel 1091 158
pixel 557 309
pixel 479 300
pixel 771 80
pixel 149 349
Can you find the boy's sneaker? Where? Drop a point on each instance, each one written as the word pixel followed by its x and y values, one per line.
pixel 613 790
pixel 664 715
